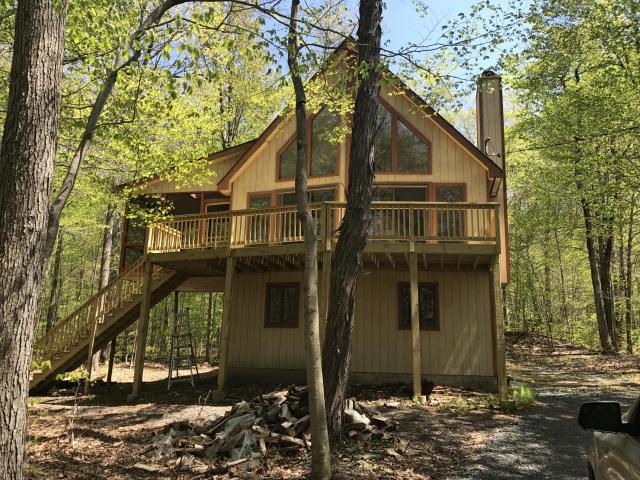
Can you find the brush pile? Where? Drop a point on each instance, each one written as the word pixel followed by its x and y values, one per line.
pixel 273 424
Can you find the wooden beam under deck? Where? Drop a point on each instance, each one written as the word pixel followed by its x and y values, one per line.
pixel 378 257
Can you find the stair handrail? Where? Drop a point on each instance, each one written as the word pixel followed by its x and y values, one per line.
pixel 80 320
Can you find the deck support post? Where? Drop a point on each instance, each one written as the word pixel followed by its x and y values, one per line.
pixel 143 327
pixel 501 367
pixel 325 286
pixel 415 326
pixel 224 327
pixel 112 356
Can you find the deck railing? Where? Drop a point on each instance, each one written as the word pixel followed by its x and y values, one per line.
pixel 431 222
pixel 80 323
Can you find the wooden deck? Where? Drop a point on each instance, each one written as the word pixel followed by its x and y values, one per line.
pixel 444 235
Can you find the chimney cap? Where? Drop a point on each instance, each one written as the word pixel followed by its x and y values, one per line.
pixel 488 73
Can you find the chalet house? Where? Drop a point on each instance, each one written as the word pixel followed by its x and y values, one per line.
pixel 438 224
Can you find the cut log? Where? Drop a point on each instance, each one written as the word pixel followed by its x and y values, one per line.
pixel 380 421
pixel 353 416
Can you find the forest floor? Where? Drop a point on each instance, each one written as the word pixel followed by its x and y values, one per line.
pixel 459 434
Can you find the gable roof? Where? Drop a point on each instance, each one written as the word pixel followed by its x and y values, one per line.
pixel 494 170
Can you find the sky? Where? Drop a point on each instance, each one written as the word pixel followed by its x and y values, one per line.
pixel 401 23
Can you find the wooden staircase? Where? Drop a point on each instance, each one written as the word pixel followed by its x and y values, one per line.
pixel 109 312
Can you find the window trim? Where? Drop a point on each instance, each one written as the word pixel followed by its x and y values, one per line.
pixel 395 118
pixel 267 296
pixel 292 139
pixel 436 287
pixel 313 188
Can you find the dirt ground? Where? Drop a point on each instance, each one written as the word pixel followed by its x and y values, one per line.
pixel 452 437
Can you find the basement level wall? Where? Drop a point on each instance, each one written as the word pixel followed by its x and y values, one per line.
pixel 462 347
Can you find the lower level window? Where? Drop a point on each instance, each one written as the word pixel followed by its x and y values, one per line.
pixel 428 306
pixel 282 305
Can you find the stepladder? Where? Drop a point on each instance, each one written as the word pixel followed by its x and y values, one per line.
pixel 182 360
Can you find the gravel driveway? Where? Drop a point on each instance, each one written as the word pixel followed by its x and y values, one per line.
pixel 545 443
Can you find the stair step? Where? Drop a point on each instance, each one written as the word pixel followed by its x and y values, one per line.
pixel 110 317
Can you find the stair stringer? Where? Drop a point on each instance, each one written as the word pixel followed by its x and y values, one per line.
pixel 119 320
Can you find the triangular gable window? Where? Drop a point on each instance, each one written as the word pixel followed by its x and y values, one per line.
pixel 323 160
pixel 399 148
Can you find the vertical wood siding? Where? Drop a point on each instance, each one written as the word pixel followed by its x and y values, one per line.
pixel 451 163
pixel 462 346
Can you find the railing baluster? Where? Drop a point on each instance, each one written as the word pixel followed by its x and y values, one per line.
pixel 404 221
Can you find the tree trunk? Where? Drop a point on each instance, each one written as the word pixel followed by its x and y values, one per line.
pixel 629 284
pixel 56 286
pixel 27 158
pixel 564 310
pixel 105 269
pixel 605 266
pixel 546 294
pixel 80 283
pixel 594 266
pixel 347 259
pixel 127 54
pixel 320 453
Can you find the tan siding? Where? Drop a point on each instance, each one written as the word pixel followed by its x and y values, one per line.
pixel 463 346
pixel 251 345
pixel 450 162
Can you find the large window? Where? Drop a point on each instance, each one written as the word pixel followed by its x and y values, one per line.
pixel 450 223
pixel 383 141
pixel 391 222
pixel 282 305
pixel 398 147
pixel 287 162
pixel 288 225
pixel 322 159
pixel 399 194
pixel 324 150
pixel 427 306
